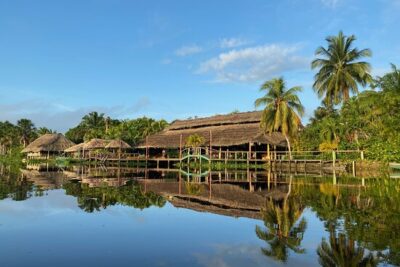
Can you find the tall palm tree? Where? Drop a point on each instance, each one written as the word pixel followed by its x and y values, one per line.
pixel 282 232
pixel 341 251
pixel 340 70
pixel 282 109
pixel 93 120
pixel 27 130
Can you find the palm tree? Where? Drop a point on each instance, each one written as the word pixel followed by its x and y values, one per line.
pixel 93 120
pixel 282 232
pixel 44 130
pixel 282 109
pixel 390 81
pixel 343 252
pixel 27 130
pixel 339 69
pixel 330 131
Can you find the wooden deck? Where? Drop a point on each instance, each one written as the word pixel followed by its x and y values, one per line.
pixel 277 160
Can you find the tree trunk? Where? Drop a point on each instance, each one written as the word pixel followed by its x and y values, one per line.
pixel 290 150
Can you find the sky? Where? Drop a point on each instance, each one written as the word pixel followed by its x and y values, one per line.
pixel 172 59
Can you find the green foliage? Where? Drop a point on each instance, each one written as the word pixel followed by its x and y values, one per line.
pixel 194 140
pixel 339 69
pixel 92 199
pixel 283 227
pixel 12 185
pixel 369 121
pixel 282 109
pixel 95 125
pixel 44 130
pixel 27 131
pixel 13 136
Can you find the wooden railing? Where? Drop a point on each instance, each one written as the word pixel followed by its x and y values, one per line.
pixel 226 155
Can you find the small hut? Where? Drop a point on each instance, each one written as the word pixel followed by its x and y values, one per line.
pixel 75 151
pixel 94 147
pixel 117 146
pixel 47 146
pixel 96 143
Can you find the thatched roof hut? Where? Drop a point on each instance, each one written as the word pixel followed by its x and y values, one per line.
pixel 226 130
pixel 96 143
pixel 118 144
pixel 75 148
pixel 49 143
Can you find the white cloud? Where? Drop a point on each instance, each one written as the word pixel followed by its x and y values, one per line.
pixel 188 50
pixel 254 63
pixel 232 42
pixel 330 3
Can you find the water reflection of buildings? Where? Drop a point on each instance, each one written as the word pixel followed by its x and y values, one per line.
pixel 238 194
pixel 232 193
pixel 277 200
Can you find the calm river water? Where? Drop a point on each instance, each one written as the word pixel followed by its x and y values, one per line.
pixel 107 216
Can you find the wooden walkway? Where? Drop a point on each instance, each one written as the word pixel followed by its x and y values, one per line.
pixel 338 160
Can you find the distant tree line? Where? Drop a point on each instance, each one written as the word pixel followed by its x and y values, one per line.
pixel 97 125
pixel 14 136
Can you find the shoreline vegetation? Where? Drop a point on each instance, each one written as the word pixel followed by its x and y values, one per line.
pixel 346 120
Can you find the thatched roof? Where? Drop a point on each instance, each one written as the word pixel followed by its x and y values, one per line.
pixel 228 119
pixel 118 144
pixel 49 143
pixel 96 143
pixel 226 130
pixel 75 148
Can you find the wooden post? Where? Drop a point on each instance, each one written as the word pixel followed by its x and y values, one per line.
pixel 333 158
pixel 180 147
pixel 180 184
pixel 362 155
pixel 268 152
pixel 147 148
pixel 249 155
pixel 354 167
pixel 220 153
pixel 210 152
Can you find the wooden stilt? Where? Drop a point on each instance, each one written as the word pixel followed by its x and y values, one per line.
pixel 180 147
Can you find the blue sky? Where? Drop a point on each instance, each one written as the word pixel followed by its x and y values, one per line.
pixel 171 59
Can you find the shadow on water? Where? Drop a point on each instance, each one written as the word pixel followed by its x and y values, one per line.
pixel 361 216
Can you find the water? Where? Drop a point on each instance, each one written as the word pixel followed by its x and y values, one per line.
pixel 135 217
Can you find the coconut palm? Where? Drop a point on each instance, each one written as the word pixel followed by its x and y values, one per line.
pixel 44 130
pixel 282 109
pixel 330 130
pixel 340 70
pixel 93 120
pixel 27 131
pixel 390 81
pixel 341 251
pixel 282 232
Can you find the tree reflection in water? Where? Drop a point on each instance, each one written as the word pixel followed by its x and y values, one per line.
pixel 342 251
pixel 283 231
pixel 92 199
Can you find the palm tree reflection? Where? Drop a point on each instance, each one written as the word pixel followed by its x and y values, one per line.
pixel 342 251
pixel 283 230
